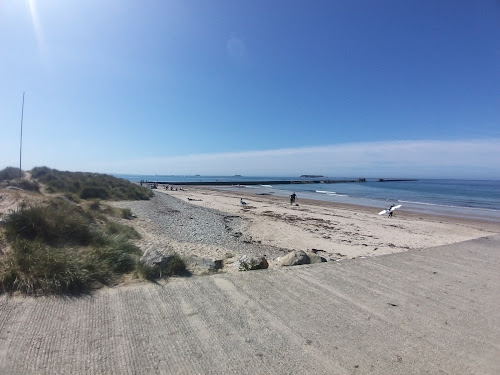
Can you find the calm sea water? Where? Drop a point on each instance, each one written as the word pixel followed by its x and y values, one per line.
pixel 462 198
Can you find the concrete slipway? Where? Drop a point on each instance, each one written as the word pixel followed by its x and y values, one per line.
pixel 434 311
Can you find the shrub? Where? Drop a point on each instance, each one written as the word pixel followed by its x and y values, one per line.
pixel 10 173
pixel 26 185
pixel 94 192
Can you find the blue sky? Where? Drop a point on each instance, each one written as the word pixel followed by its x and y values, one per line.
pixel 341 88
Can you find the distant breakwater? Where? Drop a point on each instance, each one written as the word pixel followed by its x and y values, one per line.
pixel 263 182
pixel 395 179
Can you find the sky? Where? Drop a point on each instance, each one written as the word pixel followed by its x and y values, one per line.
pixel 384 88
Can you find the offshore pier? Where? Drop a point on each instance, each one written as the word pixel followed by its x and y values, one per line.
pixel 266 182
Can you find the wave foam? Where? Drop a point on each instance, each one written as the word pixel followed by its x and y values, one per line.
pixel 330 193
pixel 449 206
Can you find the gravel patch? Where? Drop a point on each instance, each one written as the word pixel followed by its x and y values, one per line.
pixel 194 230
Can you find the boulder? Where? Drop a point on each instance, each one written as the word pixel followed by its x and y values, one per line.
pixel 248 263
pixel 202 266
pixel 155 257
pixel 295 258
pixel 315 258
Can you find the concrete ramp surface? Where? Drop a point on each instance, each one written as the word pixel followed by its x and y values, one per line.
pixel 433 311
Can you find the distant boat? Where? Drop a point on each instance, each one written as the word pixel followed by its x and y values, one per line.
pixel 237 175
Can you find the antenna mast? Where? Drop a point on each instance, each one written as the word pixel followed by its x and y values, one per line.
pixel 21 143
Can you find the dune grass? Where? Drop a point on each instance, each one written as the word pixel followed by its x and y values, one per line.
pixel 72 241
pixel 59 247
pixel 12 177
pixel 85 185
pixel 11 173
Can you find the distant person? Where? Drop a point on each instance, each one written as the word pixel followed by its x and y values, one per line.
pixel 292 198
pixel 390 210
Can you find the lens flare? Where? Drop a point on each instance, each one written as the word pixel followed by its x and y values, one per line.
pixel 37 27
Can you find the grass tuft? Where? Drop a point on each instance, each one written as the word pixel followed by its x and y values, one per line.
pixel 126 213
pixel 35 268
pixel 58 223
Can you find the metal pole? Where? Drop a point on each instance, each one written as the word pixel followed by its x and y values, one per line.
pixel 21 144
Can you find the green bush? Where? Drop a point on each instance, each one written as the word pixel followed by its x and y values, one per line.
pixel 94 192
pixel 10 173
pixel 26 185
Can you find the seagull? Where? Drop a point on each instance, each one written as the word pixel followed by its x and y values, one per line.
pixel 243 202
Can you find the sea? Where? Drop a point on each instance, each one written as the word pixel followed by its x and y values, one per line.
pixel 475 199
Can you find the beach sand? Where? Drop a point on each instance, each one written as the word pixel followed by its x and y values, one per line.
pixel 333 231
pixel 432 310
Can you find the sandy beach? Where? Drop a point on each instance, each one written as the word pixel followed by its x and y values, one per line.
pixel 270 226
pixel 423 309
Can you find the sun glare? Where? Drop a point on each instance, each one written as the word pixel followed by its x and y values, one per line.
pixel 36 25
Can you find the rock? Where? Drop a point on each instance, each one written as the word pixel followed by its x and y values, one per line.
pixel 248 263
pixel 315 258
pixel 315 251
pixel 336 256
pixel 295 258
pixel 202 266
pixel 154 257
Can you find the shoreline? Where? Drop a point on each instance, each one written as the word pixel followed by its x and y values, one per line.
pixel 269 226
pixel 487 223
pixel 434 209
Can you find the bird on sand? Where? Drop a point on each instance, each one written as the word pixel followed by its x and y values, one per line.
pixel 243 202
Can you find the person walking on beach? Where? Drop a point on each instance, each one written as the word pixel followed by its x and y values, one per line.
pixel 292 198
pixel 390 210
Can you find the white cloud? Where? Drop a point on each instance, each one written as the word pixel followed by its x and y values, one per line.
pixel 424 158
